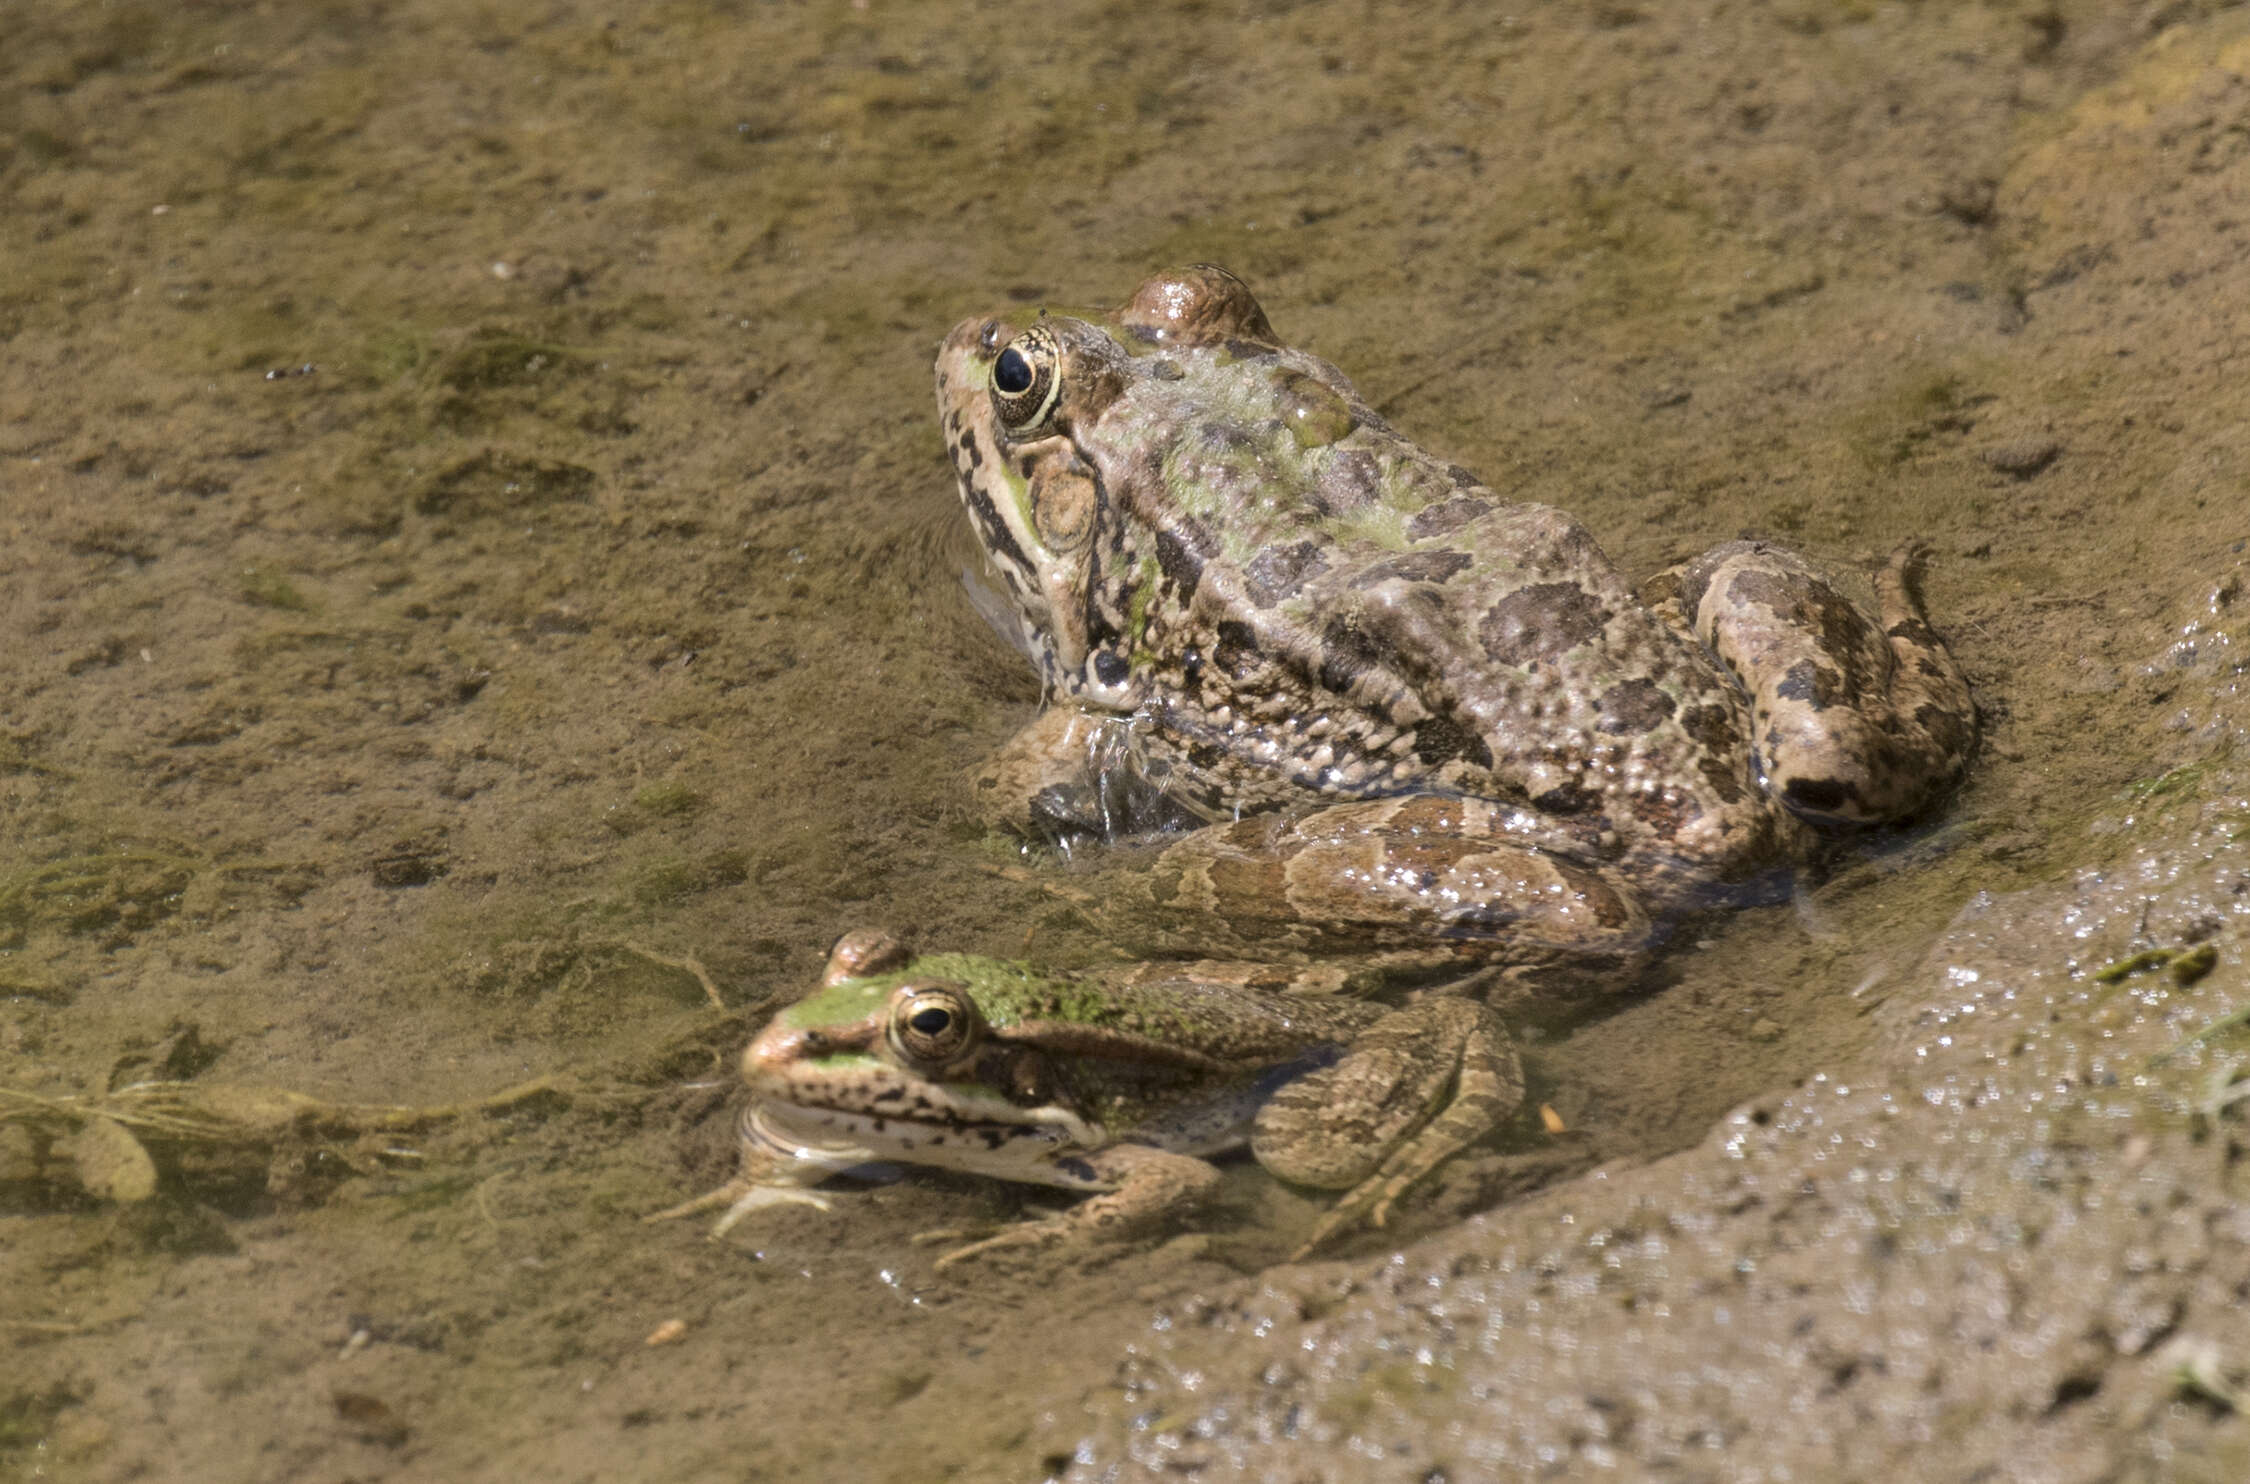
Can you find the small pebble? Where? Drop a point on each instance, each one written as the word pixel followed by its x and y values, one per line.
pixel 2022 458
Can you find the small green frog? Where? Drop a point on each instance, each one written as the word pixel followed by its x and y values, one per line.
pixel 1118 1088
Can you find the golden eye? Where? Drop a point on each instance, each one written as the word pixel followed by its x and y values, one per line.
pixel 934 1023
pixel 1027 381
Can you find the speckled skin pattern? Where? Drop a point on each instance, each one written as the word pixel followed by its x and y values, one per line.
pixel 1421 719
pixel 995 1068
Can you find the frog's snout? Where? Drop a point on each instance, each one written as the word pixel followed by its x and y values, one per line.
pixel 780 1057
pixel 768 1057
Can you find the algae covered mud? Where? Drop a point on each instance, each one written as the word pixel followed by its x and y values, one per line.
pixel 478 552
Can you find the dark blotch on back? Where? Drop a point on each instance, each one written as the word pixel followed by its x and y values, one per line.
pixel 1224 438
pixel 1446 517
pixel 1439 741
pixel 1416 566
pixel 1710 726
pixel 1541 622
pixel 1348 480
pixel 1279 571
pixel 1633 706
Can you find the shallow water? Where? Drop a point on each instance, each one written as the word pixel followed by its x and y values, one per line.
pixel 477 539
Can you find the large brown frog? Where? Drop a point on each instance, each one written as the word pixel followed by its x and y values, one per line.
pixel 1421 725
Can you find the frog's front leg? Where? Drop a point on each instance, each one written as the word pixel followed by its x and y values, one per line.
pixel 1142 1188
pixel 1380 1119
pixel 766 1173
pixel 1855 722
pixel 1071 774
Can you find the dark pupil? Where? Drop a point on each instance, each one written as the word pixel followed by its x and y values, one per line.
pixel 930 1022
pixel 1013 373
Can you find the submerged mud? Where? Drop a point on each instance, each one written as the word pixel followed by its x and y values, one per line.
pixel 487 611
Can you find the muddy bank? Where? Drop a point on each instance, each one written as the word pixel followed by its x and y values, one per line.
pixel 476 538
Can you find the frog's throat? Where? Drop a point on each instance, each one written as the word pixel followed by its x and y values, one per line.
pixel 825 1141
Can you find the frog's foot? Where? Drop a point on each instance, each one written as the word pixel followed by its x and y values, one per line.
pixel 1366 1123
pixel 741 1197
pixel 1856 721
pixel 1047 1232
pixel 1141 1186
pixel 1372 1199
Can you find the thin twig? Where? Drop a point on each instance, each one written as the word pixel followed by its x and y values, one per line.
pixel 686 964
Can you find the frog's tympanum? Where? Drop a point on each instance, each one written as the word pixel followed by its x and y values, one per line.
pixel 1417 728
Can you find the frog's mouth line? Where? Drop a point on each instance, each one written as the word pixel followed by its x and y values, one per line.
pixel 831 1140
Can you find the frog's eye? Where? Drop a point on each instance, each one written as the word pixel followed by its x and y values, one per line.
pixel 1027 381
pixel 933 1023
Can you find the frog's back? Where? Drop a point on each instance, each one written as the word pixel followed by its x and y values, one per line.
pixel 1364 618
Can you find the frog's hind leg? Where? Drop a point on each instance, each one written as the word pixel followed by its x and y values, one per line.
pixel 1856 722
pixel 1414 1089
pixel 1422 878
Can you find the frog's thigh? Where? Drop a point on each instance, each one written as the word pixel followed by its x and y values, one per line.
pixel 1421 871
pixel 1412 1090
pixel 1856 722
